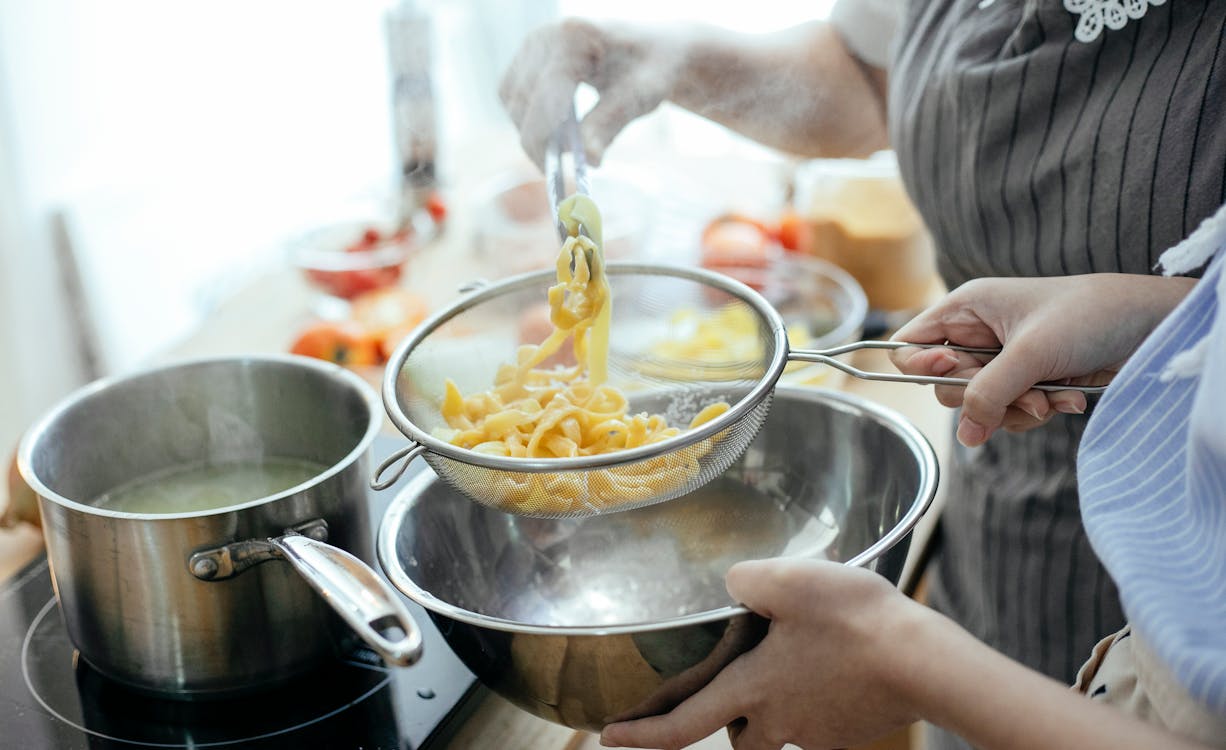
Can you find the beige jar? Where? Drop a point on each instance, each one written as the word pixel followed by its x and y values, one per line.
pixel 860 217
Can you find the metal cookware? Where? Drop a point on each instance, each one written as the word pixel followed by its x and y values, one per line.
pixel 179 603
pixel 583 621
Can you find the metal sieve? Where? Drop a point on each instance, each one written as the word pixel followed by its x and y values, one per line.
pixel 660 358
pixel 469 340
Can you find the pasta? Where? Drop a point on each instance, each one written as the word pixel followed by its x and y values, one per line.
pixel 566 412
pixel 727 340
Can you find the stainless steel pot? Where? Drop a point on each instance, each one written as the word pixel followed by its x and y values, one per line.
pixel 178 603
pixel 582 621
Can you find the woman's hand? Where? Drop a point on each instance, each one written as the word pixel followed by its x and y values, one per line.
pixel 823 676
pixel 848 659
pixel 631 67
pixel 1075 329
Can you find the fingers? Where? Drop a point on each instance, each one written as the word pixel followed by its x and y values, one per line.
pixel 754 735
pixel 735 728
pixel 1068 402
pixel 618 106
pixel 1001 382
pixel 940 363
pixel 762 585
pixel 602 124
pixel 913 360
pixel 720 703
pixel 519 80
pixel 538 87
pixel 936 362
pixel 548 108
pixel 953 319
pixel 1030 410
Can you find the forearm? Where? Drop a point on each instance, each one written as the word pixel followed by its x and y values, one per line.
pixel 1143 299
pixel 800 90
pixel 995 703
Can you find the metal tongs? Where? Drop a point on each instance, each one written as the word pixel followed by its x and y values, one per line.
pixel 566 139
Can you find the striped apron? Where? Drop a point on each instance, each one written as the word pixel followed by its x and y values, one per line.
pixel 1030 153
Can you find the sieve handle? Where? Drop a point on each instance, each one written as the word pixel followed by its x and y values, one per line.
pixel 408 453
pixel 828 357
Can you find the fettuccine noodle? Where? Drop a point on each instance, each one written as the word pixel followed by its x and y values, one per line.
pixel 565 412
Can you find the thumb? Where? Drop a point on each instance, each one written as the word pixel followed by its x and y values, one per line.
pixel 618 106
pixel 771 587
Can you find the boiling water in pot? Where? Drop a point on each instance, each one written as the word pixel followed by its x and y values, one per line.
pixel 184 489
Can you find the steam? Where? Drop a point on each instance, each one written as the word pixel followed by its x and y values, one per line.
pixel 231 438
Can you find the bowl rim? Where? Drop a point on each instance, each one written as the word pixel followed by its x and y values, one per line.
pixel 32 436
pixel 394 517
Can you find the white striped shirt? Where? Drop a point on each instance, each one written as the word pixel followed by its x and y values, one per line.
pixel 1152 478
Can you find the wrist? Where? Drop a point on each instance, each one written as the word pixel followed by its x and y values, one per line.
pixel 1155 296
pixel 927 649
pixel 1172 291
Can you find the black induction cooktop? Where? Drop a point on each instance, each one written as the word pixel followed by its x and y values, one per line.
pixel 51 699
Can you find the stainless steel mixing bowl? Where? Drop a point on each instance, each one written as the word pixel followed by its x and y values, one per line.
pixel 583 621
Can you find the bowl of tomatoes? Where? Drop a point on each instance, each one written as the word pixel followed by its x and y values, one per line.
pixel 346 259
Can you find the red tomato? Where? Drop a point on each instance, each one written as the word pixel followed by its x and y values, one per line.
pixel 343 343
pixel 736 242
pixel 794 232
pixel 436 207
pixel 389 315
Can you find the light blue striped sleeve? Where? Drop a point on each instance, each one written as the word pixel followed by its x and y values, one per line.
pixel 1152 478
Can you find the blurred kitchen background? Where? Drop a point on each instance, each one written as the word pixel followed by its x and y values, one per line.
pixel 159 158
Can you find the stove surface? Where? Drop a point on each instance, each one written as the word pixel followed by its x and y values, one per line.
pixel 51 699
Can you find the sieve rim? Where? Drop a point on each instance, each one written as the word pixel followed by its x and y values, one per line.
pixel 477 293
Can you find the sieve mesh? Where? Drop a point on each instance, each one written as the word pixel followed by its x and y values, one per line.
pixel 680 339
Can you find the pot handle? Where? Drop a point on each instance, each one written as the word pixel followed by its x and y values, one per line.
pixel 408 453
pixel 362 599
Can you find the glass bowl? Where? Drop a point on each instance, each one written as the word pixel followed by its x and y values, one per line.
pixel 822 306
pixel 346 259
